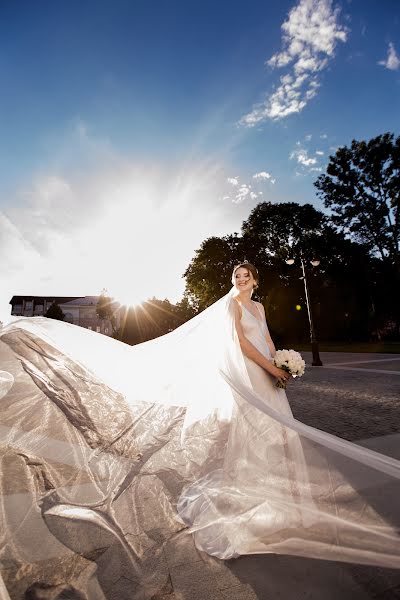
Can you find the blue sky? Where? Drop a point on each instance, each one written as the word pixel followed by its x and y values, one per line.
pixel 130 131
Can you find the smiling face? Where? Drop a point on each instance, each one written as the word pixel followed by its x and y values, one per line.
pixel 245 278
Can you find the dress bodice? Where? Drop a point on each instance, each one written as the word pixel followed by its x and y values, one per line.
pixel 255 329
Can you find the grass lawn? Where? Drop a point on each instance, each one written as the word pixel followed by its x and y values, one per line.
pixel 384 347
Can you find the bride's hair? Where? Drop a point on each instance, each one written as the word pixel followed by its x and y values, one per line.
pixel 249 267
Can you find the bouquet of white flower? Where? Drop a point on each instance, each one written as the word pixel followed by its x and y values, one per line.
pixel 290 361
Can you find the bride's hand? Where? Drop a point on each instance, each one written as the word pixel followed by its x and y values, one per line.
pixel 281 375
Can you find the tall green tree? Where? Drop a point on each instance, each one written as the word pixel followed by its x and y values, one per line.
pixel 362 188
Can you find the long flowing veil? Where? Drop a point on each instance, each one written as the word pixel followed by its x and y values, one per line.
pixel 90 426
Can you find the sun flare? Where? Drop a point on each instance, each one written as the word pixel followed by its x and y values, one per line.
pixel 127 297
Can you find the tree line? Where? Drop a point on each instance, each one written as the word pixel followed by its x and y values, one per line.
pixel 355 289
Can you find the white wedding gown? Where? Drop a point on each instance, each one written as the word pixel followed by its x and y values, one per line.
pixel 192 425
pixel 262 486
pixel 281 491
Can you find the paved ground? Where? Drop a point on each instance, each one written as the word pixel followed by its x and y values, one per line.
pixel 361 390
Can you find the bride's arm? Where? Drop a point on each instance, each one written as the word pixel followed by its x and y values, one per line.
pixel 251 351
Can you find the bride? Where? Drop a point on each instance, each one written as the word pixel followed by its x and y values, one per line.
pixel 192 421
pixel 285 487
pixel 255 342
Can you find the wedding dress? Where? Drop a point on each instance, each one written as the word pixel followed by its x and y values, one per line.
pixel 90 427
pixel 263 485
pixel 285 487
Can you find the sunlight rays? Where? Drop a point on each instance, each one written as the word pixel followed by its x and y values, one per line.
pixel 134 233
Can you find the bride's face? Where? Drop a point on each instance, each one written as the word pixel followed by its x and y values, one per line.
pixel 244 280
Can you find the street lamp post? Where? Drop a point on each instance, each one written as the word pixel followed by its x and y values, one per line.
pixel 316 362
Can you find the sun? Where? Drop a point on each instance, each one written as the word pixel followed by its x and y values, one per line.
pixel 126 297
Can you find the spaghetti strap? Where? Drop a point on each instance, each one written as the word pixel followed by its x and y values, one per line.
pixel 263 317
pixel 260 311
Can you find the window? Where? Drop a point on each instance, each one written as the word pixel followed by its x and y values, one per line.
pixel 106 331
pixel 28 304
pixel 98 328
pixel 69 317
pixel 17 309
pixel 90 327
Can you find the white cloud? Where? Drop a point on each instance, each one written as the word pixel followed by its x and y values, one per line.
pixel 320 153
pixel 48 206
pixel 310 36
pixel 308 137
pixel 242 193
pixel 392 61
pixel 245 191
pixel 301 156
pixel 323 136
pixel 262 175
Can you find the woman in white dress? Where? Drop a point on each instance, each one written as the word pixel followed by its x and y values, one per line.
pixel 254 338
pixel 285 487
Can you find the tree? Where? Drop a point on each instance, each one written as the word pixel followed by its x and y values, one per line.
pixel 55 312
pixel 154 318
pixel 106 308
pixel 283 228
pixel 362 188
pixel 342 287
pixel 271 234
pixel 275 232
pixel 208 274
pixel 184 310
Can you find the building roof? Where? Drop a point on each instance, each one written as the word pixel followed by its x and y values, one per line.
pixel 82 300
pixel 58 299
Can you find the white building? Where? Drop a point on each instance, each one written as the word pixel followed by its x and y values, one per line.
pixel 79 310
